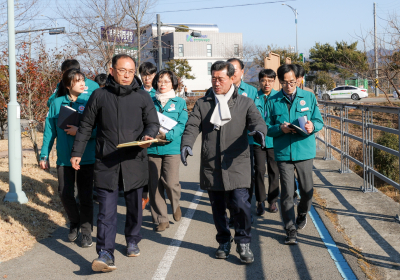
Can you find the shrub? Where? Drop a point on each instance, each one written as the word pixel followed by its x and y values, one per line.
pixel 385 163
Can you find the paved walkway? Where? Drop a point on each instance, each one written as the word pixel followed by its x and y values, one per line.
pixel 186 250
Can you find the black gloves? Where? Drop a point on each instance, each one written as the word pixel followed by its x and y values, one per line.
pixel 186 150
pixel 258 137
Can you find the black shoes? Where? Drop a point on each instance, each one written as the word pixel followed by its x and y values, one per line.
pixel 245 253
pixel 260 208
pixel 223 250
pixel 104 262
pixel 86 241
pixel 291 237
pixel 301 220
pixel 132 250
pixel 73 233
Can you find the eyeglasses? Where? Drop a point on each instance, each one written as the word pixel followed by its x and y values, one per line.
pixel 164 82
pixel 283 83
pixel 123 71
pixel 267 81
pixel 219 80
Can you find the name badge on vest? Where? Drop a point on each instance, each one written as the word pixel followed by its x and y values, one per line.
pixel 171 108
pixel 305 109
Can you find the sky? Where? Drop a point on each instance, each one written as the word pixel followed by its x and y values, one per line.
pixel 319 21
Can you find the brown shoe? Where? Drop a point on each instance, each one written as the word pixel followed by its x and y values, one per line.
pixel 178 214
pixel 273 208
pixel 144 202
pixel 162 227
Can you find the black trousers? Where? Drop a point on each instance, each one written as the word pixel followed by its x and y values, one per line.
pixel 81 216
pixel 306 188
pixel 240 209
pixel 107 218
pixel 260 157
pixel 251 189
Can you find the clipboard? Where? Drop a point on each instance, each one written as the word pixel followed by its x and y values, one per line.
pixel 301 128
pixel 137 143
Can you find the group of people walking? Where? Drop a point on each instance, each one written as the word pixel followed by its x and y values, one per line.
pixel 241 129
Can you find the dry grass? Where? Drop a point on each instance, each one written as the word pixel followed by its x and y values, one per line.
pixel 355 147
pixel 21 226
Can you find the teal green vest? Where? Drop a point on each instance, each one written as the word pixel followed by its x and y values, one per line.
pixel 175 109
pixel 262 107
pixel 65 141
pixel 288 146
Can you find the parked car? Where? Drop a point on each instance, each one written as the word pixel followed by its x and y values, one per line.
pixel 352 92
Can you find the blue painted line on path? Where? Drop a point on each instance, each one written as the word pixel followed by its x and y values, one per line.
pixel 340 262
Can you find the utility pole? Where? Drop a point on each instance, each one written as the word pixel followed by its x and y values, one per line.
pixel 376 54
pixel 159 42
pixel 15 193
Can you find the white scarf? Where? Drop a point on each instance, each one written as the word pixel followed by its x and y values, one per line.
pixel 164 97
pixel 221 114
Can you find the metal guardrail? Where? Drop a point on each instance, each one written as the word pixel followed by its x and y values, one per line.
pixel 192 94
pixel 367 126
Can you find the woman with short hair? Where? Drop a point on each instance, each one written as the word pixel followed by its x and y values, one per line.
pixel 80 215
pixel 164 159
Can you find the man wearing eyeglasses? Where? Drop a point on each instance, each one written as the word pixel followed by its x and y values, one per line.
pixel 122 113
pixel 293 150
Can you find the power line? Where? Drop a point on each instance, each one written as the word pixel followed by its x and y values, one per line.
pixel 221 7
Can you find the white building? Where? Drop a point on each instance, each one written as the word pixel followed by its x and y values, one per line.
pixel 200 53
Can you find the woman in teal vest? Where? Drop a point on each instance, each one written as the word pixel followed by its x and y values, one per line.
pixel 164 159
pixel 70 93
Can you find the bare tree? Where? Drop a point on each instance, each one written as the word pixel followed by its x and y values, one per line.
pixel 138 11
pixel 95 46
pixel 388 53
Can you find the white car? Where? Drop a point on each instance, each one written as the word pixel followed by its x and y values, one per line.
pixel 352 92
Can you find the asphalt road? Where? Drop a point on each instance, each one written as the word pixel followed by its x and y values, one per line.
pixel 185 250
pixel 365 100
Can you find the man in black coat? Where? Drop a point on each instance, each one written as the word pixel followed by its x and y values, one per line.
pixel 122 113
pixel 224 117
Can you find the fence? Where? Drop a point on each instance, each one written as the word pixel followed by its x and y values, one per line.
pixel 363 83
pixel 367 127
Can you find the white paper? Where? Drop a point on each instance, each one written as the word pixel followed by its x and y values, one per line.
pixel 166 123
pixel 302 122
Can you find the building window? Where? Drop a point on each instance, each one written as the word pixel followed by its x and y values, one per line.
pixel 209 50
pixel 236 50
pixel 209 64
pixel 180 50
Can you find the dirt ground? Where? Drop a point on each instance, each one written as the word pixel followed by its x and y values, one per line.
pixel 21 226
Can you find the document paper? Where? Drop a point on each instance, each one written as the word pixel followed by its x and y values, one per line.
pixel 166 123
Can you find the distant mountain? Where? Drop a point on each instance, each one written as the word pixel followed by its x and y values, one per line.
pixel 371 54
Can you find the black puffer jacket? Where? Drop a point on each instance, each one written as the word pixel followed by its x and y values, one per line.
pixel 122 114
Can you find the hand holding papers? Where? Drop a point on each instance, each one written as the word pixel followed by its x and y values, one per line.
pixel 302 126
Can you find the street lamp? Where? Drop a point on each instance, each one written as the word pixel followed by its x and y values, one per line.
pixel 295 15
pixel 15 193
pixel 54 21
pixel 159 24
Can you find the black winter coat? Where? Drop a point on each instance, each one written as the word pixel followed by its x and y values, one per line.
pixel 122 114
pixel 225 153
